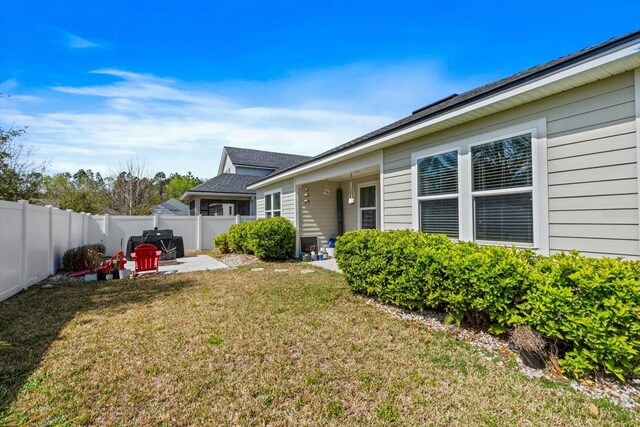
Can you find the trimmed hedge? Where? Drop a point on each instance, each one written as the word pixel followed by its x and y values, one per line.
pixel 271 238
pixel 591 306
pixel 75 259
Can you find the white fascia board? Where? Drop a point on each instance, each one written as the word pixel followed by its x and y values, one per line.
pixel 619 53
pixel 223 161
pixel 204 193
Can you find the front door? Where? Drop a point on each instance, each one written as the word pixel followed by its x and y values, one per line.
pixel 367 206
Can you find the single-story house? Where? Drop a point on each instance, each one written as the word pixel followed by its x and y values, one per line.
pixel 171 207
pixel 545 159
pixel 227 193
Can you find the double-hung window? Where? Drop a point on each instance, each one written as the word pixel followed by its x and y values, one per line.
pixel 272 204
pixel 490 188
pixel 438 193
pixel 502 190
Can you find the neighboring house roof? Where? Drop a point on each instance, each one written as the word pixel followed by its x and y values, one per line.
pixel 226 183
pixel 173 206
pixel 263 159
pixel 456 102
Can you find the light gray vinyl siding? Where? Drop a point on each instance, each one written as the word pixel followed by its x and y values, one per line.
pixel 287 199
pixel 592 167
pixel 319 216
pixel 350 213
pixel 240 170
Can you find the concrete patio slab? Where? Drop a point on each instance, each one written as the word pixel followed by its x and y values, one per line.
pixel 193 263
pixel 329 264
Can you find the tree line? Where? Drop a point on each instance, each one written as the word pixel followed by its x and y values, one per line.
pixel 129 189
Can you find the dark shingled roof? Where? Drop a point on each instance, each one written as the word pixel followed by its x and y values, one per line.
pixel 264 159
pixel 456 101
pixel 227 183
pixel 174 206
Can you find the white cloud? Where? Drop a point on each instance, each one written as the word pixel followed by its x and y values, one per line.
pixel 178 126
pixel 76 42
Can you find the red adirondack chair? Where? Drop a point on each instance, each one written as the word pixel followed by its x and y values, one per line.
pixel 146 258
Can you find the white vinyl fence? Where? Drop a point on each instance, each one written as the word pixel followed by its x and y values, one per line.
pixel 34 238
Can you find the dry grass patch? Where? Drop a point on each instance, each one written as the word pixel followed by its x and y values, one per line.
pixel 253 348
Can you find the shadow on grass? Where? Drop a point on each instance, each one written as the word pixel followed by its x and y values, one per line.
pixel 33 319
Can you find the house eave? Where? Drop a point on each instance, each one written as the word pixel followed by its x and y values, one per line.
pixel 189 194
pixel 616 60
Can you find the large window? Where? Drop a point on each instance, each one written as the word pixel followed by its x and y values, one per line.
pixel 272 204
pixel 490 188
pixel 438 193
pixel 503 190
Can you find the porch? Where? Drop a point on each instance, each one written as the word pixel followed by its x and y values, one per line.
pixel 328 207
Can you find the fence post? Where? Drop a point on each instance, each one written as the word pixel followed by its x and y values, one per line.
pixel 69 231
pixel 238 219
pixel 199 232
pixel 23 255
pixel 106 231
pixel 88 215
pixel 84 242
pixel 52 261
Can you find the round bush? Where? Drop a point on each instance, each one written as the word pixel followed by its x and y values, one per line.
pixel 272 238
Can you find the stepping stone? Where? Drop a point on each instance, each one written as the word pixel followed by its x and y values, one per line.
pixel 281 270
pixel 257 269
pixel 306 271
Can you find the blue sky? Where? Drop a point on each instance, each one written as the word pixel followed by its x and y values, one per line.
pixel 173 81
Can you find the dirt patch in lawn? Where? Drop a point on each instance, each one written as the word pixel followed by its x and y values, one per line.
pixel 236 347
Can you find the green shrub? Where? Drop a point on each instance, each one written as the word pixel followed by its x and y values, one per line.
pixel 238 238
pixel 271 238
pixel 221 242
pixel 591 305
pixel 416 270
pixel 76 259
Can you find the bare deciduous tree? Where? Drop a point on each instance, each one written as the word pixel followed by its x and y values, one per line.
pixel 132 189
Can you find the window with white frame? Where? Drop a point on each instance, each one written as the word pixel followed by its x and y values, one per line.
pixel 502 190
pixel 272 204
pixel 490 188
pixel 438 193
pixel 367 207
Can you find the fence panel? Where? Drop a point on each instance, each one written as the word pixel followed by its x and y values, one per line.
pixel 60 233
pixel 39 262
pixel 185 226
pixel 76 228
pixel 212 226
pixel 97 233
pixel 120 228
pixel 10 249
pixel 34 238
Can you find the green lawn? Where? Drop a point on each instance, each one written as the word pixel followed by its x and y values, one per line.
pixel 254 348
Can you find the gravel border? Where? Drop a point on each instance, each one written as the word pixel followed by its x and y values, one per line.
pixel 625 394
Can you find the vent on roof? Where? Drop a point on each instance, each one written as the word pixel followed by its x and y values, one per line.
pixel 440 101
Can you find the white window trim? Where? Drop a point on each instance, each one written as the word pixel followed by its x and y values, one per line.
pixel 264 200
pixel 538 130
pixel 373 184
